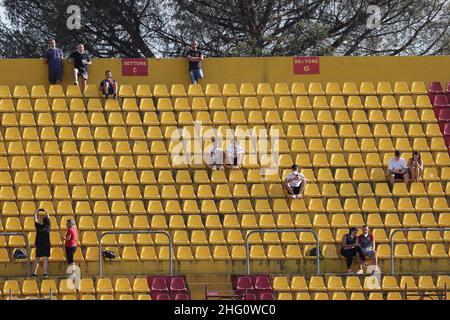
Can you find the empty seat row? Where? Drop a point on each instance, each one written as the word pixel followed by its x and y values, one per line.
pixel 246 89
pixel 354 283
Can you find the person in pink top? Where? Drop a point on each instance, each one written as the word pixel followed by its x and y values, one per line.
pixel 71 241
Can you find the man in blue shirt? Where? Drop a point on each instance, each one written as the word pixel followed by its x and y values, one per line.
pixel 54 59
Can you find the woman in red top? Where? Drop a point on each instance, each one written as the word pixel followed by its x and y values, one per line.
pixel 71 240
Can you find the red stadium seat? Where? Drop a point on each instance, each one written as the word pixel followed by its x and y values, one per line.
pixel 262 283
pixel 266 296
pixel 434 89
pixel 249 296
pixel 161 296
pixel 447 90
pixel 444 118
pixel 181 296
pixel 177 284
pixel 159 285
pixel 243 284
pixel 440 103
pixel 447 130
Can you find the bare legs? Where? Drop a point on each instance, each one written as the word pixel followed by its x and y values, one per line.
pixel 392 179
pixel 83 80
pixel 415 173
pixel 44 265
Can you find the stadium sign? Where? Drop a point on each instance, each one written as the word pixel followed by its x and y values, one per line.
pixel 306 65
pixel 136 67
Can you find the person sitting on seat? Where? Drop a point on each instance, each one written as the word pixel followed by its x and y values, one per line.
pixel 367 243
pixel 234 154
pixel 415 166
pixel 215 156
pixel 295 183
pixel 398 169
pixel 351 248
pixel 108 86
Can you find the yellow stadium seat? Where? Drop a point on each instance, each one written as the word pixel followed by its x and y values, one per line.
pixel 401 87
pixel 281 89
pixel 264 89
pixel 314 89
pixel 384 88
pixel 367 89
pixel 246 90
pixel 160 91
pixel 316 283
pixel 298 89
pixel 335 284
pixel 349 89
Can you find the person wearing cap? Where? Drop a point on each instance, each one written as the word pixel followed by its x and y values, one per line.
pixel 295 183
pixel 398 169
pixel 351 248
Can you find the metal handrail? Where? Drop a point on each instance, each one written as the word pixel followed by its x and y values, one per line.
pixel 391 240
pixel 247 244
pixel 27 243
pixel 135 232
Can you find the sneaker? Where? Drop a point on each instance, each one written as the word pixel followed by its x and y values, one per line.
pixel 34 275
pixel 45 275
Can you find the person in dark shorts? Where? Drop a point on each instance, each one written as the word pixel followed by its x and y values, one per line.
pixel 108 86
pixel 351 248
pixel 367 243
pixel 81 61
pixel 195 58
pixel 295 183
pixel 42 241
pixel 398 169
pixel 54 59
pixel 71 241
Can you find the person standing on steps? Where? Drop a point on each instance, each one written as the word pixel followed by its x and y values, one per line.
pixel 54 59
pixel 195 58
pixel 71 242
pixel 81 61
pixel 42 241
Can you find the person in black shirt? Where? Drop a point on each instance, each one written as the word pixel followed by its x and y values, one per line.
pixel 42 241
pixel 350 247
pixel 195 58
pixel 108 86
pixel 81 61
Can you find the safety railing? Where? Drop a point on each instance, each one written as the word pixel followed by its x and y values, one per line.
pixel 100 266
pixel 316 238
pixel 391 240
pixel 27 244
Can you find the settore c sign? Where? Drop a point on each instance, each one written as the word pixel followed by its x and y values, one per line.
pixel 135 67
pixel 306 65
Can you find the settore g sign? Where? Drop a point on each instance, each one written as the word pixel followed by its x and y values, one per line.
pixel 136 67
pixel 306 65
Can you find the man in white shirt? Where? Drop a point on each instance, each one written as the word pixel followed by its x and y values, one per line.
pixel 295 183
pixel 214 156
pixel 398 169
pixel 234 154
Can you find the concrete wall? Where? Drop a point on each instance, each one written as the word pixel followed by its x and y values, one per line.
pixel 227 70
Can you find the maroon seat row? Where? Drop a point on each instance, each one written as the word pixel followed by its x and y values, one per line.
pixel 168 287
pixel 253 287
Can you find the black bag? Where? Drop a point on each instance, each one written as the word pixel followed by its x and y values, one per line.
pixel 19 254
pixel 313 252
pixel 108 254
